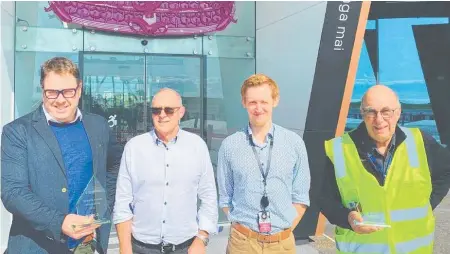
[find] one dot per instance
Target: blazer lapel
(41, 126)
(96, 145)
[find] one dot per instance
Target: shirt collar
(50, 118)
(158, 141)
(269, 134)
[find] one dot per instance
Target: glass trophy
(370, 219)
(93, 201)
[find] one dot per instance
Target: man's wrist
(204, 238)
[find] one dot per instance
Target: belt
(164, 247)
(285, 234)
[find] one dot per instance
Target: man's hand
(360, 229)
(72, 226)
(301, 209)
(197, 247)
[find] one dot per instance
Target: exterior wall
(288, 38)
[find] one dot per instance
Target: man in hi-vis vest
(382, 181)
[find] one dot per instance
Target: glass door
(184, 75)
(120, 88)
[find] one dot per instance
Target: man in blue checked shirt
(263, 176)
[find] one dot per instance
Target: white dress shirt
(158, 186)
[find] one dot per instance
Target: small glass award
(370, 219)
(93, 201)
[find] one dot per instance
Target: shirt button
(164, 221)
(64, 190)
(167, 183)
(167, 165)
(165, 203)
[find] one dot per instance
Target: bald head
(380, 94)
(167, 96)
(381, 111)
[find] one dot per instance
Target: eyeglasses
(168, 110)
(66, 93)
(372, 113)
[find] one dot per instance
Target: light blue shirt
(241, 184)
(158, 186)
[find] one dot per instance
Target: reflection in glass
(114, 89)
(398, 66)
(27, 79)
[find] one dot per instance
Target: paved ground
(325, 244)
(217, 245)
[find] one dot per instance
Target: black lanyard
(264, 174)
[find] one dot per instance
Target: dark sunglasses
(168, 110)
(66, 93)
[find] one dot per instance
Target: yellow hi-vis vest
(403, 202)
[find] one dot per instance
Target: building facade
(307, 47)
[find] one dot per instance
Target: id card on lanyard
(264, 223)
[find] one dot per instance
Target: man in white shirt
(162, 173)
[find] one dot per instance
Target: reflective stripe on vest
(398, 215)
(409, 246)
(374, 217)
(339, 163)
(409, 214)
(411, 148)
(362, 248)
(404, 247)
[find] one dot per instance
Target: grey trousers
(139, 249)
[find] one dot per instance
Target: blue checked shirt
(240, 181)
(378, 161)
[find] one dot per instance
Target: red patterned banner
(147, 18)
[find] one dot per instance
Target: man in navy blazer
(48, 157)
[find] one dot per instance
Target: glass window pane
(224, 112)
(114, 88)
(27, 89)
(401, 70)
(181, 74)
(33, 14)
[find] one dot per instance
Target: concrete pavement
(325, 244)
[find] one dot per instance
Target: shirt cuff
(121, 218)
(225, 203)
(207, 225)
(300, 199)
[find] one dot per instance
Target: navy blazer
(33, 181)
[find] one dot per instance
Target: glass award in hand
(370, 219)
(93, 201)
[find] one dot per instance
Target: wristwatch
(204, 239)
